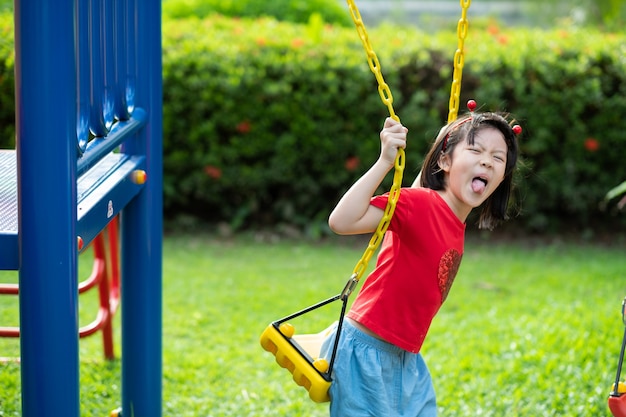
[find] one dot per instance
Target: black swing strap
(614, 392)
(343, 296)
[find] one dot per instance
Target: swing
(299, 354)
(617, 401)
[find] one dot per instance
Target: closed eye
(477, 150)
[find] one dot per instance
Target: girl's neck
(460, 209)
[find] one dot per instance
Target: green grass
(528, 330)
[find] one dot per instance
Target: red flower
(493, 29)
(213, 172)
(502, 39)
(592, 144)
(296, 43)
(352, 163)
(244, 127)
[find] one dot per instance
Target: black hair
(465, 128)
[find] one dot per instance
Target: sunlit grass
(528, 330)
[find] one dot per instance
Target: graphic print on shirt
(448, 267)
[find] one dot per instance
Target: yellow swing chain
(387, 99)
(394, 192)
(459, 62)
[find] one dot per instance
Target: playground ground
(529, 329)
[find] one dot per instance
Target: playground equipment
(299, 354)
(105, 275)
(617, 399)
(88, 95)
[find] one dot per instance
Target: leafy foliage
(286, 10)
(568, 89)
(281, 122)
(607, 14)
(266, 122)
(259, 116)
(7, 82)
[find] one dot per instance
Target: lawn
(529, 329)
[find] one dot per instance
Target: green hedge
(568, 87)
(296, 11)
(267, 123)
(260, 119)
(7, 82)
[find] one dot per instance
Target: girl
(378, 370)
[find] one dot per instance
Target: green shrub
(267, 122)
(260, 125)
(296, 11)
(7, 82)
(262, 120)
(568, 88)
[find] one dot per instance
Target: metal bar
(9, 332)
(98, 125)
(112, 193)
(141, 232)
(615, 391)
(107, 22)
(45, 68)
(121, 57)
(83, 71)
(308, 309)
(9, 289)
(100, 147)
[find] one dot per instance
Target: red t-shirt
(418, 260)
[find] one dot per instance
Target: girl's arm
(354, 214)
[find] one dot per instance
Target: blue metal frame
(81, 66)
(45, 87)
(142, 224)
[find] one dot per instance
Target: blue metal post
(101, 103)
(142, 234)
(46, 157)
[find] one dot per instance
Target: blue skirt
(373, 378)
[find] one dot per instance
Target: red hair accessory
(471, 106)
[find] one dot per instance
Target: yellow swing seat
(297, 353)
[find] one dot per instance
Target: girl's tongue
(478, 185)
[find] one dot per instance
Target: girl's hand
(392, 138)
(354, 214)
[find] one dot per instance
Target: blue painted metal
(8, 211)
(78, 62)
(104, 191)
(83, 73)
(108, 49)
(101, 108)
(125, 59)
(46, 173)
(141, 234)
(89, 224)
(121, 132)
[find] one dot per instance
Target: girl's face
(474, 172)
